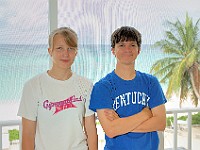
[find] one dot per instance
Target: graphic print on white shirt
(62, 104)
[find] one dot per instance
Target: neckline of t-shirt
(60, 81)
(126, 81)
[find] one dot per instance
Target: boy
(129, 103)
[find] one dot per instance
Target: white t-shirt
(58, 107)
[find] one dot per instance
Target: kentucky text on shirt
(130, 98)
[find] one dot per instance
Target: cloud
(20, 18)
(93, 20)
(101, 18)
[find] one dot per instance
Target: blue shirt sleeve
(157, 96)
(101, 97)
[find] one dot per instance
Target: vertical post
(20, 136)
(53, 18)
(189, 123)
(1, 146)
(161, 139)
(175, 131)
(53, 14)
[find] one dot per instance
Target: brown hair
(126, 33)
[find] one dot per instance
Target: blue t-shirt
(128, 97)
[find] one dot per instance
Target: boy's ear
(113, 51)
(139, 50)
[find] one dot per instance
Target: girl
(54, 104)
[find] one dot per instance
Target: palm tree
(181, 68)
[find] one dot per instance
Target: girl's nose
(66, 52)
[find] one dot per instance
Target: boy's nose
(128, 48)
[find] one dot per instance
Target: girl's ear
(50, 51)
(76, 52)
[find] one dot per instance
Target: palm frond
(172, 38)
(191, 58)
(163, 63)
(165, 78)
(169, 47)
(175, 79)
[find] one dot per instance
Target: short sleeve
(101, 97)
(28, 105)
(157, 96)
(88, 111)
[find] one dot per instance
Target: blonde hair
(70, 36)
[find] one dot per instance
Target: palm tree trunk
(195, 79)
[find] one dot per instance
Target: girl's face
(126, 52)
(62, 54)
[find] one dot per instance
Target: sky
(100, 18)
(26, 21)
(23, 21)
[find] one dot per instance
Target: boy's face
(126, 52)
(62, 54)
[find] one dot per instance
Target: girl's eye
(71, 49)
(59, 48)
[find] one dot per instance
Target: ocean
(19, 63)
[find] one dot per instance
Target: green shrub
(13, 135)
(184, 118)
(169, 121)
(196, 118)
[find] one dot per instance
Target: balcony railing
(173, 112)
(8, 123)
